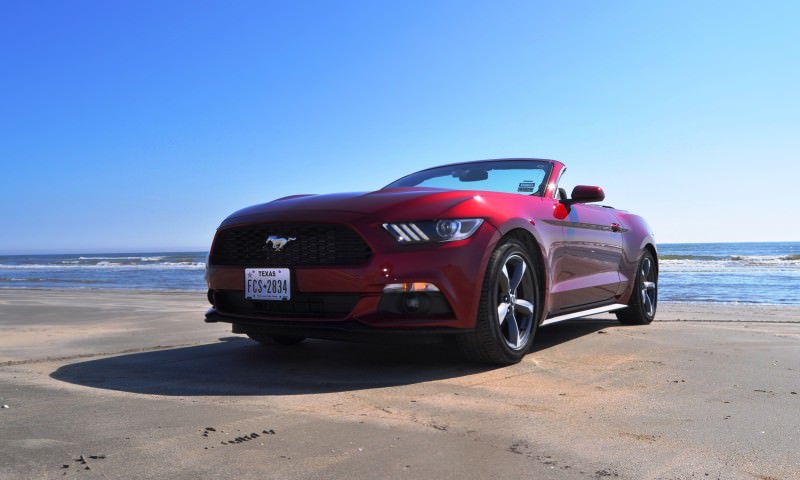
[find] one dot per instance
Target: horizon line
(112, 250)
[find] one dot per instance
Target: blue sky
(136, 125)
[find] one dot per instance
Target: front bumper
(347, 299)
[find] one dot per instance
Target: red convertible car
(483, 252)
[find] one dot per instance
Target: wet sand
(135, 385)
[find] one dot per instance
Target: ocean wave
(689, 257)
(50, 280)
(108, 265)
(139, 258)
(123, 260)
(732, 260)
(146, 271)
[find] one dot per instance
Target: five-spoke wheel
(514, 313)
(509, 308)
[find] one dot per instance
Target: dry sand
(135, 385)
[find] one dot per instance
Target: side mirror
(587, 194)
(580, 194)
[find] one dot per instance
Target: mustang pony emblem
(277, 242)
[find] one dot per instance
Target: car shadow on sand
(239, 366)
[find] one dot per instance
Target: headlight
(434, 231)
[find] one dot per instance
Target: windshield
(526, 177)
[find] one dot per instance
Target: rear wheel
(508, 313)
(284, 340)
(644, 299)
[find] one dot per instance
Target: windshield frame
(418, 177)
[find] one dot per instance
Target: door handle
(615, 227)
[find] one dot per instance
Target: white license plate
(267, 284)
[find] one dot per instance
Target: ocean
(767, 273)
(753, 273)
(162, 271)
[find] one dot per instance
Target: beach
(110, 384)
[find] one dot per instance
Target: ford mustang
(481, 253)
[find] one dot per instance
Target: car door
(588, 272)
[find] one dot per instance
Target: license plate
(267, 284)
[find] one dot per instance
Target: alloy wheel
(515, 308)
(648, 287)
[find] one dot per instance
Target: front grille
(301, 305)
(313, 245)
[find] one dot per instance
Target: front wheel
(509, 311)
(644, 299)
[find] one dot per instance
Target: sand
(139, 387)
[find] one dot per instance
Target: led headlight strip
(407, 232)
(433, 231)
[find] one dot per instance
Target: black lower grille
(301, 305)
(301, 245)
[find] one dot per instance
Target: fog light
(412, 303)
(410, 287)
(416, 303)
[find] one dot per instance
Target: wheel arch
(652, 249)
(647, 246)
(487, 343)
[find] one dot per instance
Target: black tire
(505, 341)
(644, 298)
(283, 340)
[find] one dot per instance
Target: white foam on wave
(733, 264)
(109, 265)
(142, 259)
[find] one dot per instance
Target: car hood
(384, 204)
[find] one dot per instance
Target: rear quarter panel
(636, 237)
